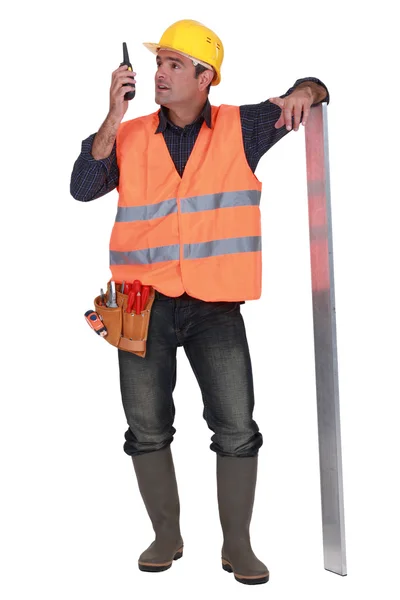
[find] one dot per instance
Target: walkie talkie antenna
(125, 51)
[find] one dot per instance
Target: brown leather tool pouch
(126, 331)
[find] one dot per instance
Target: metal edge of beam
(326, 362)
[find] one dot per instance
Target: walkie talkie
(128, 95)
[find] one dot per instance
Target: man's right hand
(119, 106)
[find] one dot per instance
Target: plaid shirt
(92, 178)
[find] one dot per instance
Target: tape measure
(95, 322)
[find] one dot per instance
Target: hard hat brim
(154, 48)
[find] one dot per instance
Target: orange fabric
(148, 176)
(224, 223)
(143, 234)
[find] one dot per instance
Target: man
(188, 224)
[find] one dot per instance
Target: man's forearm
(104, 139)
(318, 92)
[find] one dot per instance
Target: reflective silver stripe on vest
(221, 200)
(147, 256)
(127, 214)
(228, 246)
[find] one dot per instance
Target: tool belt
(125, 330)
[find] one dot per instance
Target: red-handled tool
(137, 288)
(131, 301)
(145, 296)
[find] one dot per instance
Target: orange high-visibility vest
(200, 233)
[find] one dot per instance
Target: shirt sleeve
(258, 124)
(91, 178)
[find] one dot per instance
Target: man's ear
(205, 78)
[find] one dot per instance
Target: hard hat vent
(209, 40)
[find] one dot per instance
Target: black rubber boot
(236, 483)
(155, 474)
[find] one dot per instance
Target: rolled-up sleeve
(315, 80)
(91, 178)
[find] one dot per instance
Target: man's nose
(160, 72)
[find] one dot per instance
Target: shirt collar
(164, 121)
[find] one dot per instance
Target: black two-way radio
(128, 95)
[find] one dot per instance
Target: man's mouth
(160, 86)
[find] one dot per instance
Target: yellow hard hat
(195, 41)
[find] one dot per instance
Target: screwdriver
(130, 302)
(136, 290)
(145, 296)
(128, 95)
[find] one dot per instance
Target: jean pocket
(227, 307)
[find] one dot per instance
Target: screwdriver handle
(145, 296)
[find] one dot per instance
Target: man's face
(175, 79)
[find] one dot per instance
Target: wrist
(316, 92)
(112, 121)
(305, 87)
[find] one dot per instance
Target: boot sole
(248, 580)
(158, 567)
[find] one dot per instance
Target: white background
(73, 523)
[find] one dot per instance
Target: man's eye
(175, 65)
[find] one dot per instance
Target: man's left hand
(297, 102)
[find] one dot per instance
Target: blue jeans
(214, 339)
